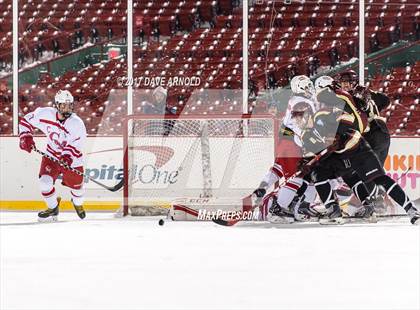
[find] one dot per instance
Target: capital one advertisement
(173, 170)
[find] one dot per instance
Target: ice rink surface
(133, 263)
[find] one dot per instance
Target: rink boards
(19, 172)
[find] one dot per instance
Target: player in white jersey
(277, 207)
(66, 135)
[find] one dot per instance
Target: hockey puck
(161, 222)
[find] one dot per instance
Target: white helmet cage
(302, 85)
(323, 81)
(63, 96)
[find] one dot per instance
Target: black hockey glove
(304, 167)
(261, 190)
(363, 94)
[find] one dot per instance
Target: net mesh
(214, 158)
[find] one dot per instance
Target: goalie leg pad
(286, 193)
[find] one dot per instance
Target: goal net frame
(128, 126)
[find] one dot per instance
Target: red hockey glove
(66, 159)
(26, 142)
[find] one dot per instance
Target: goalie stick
(62, 164)
(256, 201)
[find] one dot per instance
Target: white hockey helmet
(302, 85)
(323, 81)
(64, 102)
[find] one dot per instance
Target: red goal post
(220, 157)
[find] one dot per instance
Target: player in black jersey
(371, 103)
(349, 156)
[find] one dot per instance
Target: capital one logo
(153, 173)
(141, 171)
(162, 153)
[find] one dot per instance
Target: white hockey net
(219, 158)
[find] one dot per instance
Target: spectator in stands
(110, 33)
(329, 21)
(156, 33)
(351, 49)
(56, 47)
(21, 57)
(395, 33)
(347, 21)
(334, 58)
(252, 89)
(197, 21)
(312, 21)
(78, 38)
(311, 67)
(290, 72)
(295, 22)
(374, 43)
(124, 36)
(2, 64)
(38, 50)
(141, 36)
(94, 35)
(272, 83)
(212, 23)
(159, 107)
(158, 104)
(4, 96)
(35, 54)
(417, 27)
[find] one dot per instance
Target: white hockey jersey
(67, 137)
(288, 120)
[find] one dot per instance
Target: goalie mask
(302, 114)
(64, 103)
(348, 80)
(302, 85)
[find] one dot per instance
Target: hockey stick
(256, 201)
(64, 165)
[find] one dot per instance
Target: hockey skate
(79, 210)
(278, 215)
(50, 215)
(306, 213)
(332, 216)
(379, 201)
(414, 216)
(367, 211)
